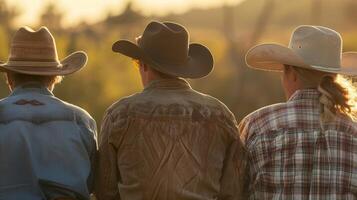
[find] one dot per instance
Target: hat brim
(199, 63)
(68, 65)
(273, 57)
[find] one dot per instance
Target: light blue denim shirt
(44, 138)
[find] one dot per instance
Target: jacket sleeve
(235, 176)
(107, 175)
(244, 127)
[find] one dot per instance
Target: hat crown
(317, 45)
(167, 42)
(30, 45)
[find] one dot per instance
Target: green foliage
(109, 76)
(4, 42)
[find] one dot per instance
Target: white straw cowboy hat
(311, 47)
(165, 47)
(34, 53)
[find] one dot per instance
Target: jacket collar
(305, 94)
(168, 84)
(32, 87)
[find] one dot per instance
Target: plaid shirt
(291, 158)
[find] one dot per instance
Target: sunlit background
(96, 10)
(228, 27)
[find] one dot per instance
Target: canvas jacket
(169, 142)
(44, 143)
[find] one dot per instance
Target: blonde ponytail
(338, 95)
(351, 89)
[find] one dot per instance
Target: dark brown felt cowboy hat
(34, 52)
(165, 47)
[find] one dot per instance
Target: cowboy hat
(34, 53)
(311, 47)
(165, 47)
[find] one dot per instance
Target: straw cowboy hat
(311, 47)
(165, 47)
(34, 52)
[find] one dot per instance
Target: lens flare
(351, 88)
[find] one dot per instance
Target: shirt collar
(168, 84)
(305, 94)
(31, 88)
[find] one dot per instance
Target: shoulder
(353, 126)
(263, 120)
(6, 100)
(266, 112)
(82, 116)
(218, 105)
(121, 107)
(77, 110)
(115, 117)
(219, 112)
(346, 124)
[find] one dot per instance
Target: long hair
(350, 94)
(338, 93)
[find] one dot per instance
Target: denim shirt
(44, 139)
(169, 142)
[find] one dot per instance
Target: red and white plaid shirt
(292, 158)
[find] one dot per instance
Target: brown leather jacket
(170, 142)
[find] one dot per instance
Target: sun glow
(91, 11)
(352, 94)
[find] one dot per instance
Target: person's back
(292, 155)
(169, 141)
(306, 147)
(43, 138)
(47, 146)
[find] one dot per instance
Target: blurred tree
(227, 31)
(81, 30)
(235, 54)
(72, 43)
(229, 21)
(3, 40)
(128, 20)
(237, 49)
(128, 16)
(7, 16)
(51, 17)
(262, 21)
(316, 12)
(351, 8)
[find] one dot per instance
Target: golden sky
(94, 10)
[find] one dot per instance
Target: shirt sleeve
(235, 176)
(88, 129)
(107, 175)
(246, 130)
(93, 156)
(243, 130)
